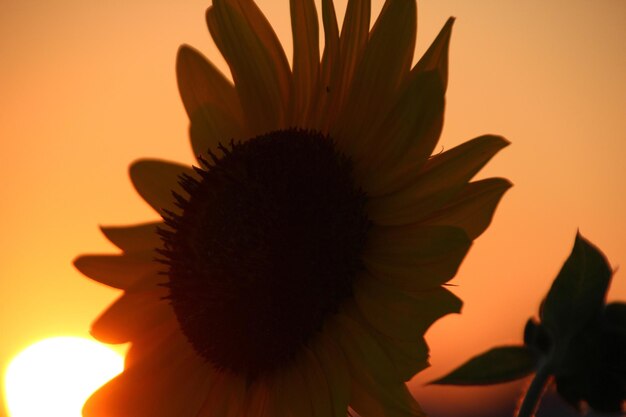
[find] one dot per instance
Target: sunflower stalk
(535, 391)
(579, 342)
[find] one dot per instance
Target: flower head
(300, 263)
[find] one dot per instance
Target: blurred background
(88, 86)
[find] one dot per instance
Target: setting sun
(55, 376)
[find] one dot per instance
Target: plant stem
(535, 391)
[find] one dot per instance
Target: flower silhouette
(298, 266)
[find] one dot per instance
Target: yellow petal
(330, 59)
(200, 83)
(306, 58)
(377, 390)
(171, 382)
(226, 397)
(211, 126)
(372, 398)
(131, 315)
(294, 400)
(118, 271)
(398, 144)
(135, 238)
(442, 177)
(210, 101)
(333, 364)
(151, 340)
(157, 180)
(399, 314)
(412, 128)
(473, 208)
(257, 63)
(436, 57)
(316, 381)
(384, 66)
(265, 33)
(408, 356)
(415, 258)
(354, 35)
(261, 398)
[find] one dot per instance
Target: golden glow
(54, 377)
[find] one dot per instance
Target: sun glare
(54, 377)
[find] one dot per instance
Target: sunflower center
(267, 246)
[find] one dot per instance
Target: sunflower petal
(442, 177)
(399, 314)
(412, 129)
(317, 385)
(149, 341)
(170, 382)
(261, 399)
(384, 66)
(352, 42)
(135, 238)
(436, 57)
(377, 390)
(211, 126)
(374, 399)
(264, 31)
(331, 41)
(118, 271)
(295, 399)
(131, 315)
(157, 180)
(306, 57)
(256, 59)
(330, 57)
(225, 397)
(473, 208)
(408, 356)
(334, 366)
(200, 82)
(422, 102)
(415, 258)
(210, 100)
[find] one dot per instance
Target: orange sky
(88, 86)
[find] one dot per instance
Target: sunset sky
(88, 86)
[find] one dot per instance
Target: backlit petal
(442, 177)
(135, 238)
(170, 382)
(118, 271)
(306, 58)
(256, 59)
(384, 66)
(330, 57)
(397, 145)
(210, 100)
(399, 314)
(436, 57)
(131, 315)
(200, 83)
(225, 397)
(352, 42)
(333, 363)
(376, 390)
(416, 258)
(157, 180)
(473, 208)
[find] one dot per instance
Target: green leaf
(578, 293)
(501, 364)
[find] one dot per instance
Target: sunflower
(297, 267)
